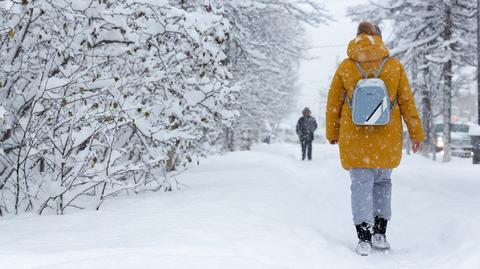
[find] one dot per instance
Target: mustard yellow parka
(371, 146)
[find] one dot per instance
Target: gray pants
(371, 194)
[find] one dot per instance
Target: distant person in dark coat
(306, 126)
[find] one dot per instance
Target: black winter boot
(364, 233)
(379, 240)
(380, 226)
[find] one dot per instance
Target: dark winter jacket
(305, 127)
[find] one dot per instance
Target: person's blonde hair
(367, 28)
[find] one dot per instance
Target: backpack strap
(381, 67)
(393, 104)
(345, 97)
(365, 76)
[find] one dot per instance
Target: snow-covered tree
(265, 48)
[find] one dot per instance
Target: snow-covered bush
(103, 97)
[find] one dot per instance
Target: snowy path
(260, 209)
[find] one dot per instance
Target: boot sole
(378, 248)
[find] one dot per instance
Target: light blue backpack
(370, 102)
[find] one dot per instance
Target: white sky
(329, 44)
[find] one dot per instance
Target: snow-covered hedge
(102, 97)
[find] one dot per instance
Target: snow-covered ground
(261, 209)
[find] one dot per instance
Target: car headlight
(440, 143)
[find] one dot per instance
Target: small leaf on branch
(11, 33)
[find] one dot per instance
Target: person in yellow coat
(370, 153)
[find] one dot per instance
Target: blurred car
(461, 142)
